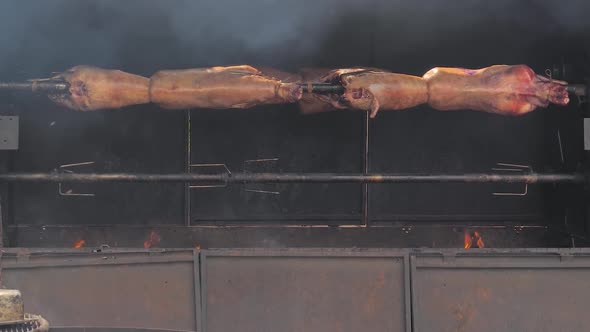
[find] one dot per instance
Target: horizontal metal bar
(227, 178)
(34, 86)
(304, 252)
(57, 86)
(321, 88)
(577, 89)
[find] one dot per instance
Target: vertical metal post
(1, 243)
(372, 35)
(365, 203)
(187, 169)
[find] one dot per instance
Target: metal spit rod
(321, 88)
(226, 178)
(579, 90)
(35, 86)
(58, 86)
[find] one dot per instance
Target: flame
(152, 240)
(469, 239)
(79, 244)
(198, 247)
(480, 243)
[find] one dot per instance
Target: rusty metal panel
(305, 290)
(501, 290)
(133, 289)
(106, 329)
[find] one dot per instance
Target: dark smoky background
(145, 35)
(38, 38)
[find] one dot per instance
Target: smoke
(146, 35)
(143, 36)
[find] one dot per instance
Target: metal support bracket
(67, 169)
(251, 162)
(9, 132)
(211, 185)
(513, 168)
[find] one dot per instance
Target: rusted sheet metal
(107, 329)
(139, 289)
(518, 290)
(305, 290)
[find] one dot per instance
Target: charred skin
(219, 88)
(501, 89)
(94, 88)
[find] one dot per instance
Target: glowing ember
(152, 240)
(79, 244)
(471, 239)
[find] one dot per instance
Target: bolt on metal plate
(9, 132)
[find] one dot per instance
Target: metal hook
(513, 168)
(549, 74)
(245, 164)
(254, 161)
(39, 79)
(560, 146)
(262, 191)
(46, 79)
(66, 169)
(259, 161)
(212, 185)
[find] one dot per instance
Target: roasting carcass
(219, 87)
(283, 76)
(94, 88)
(501, 89)
(373, 89)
